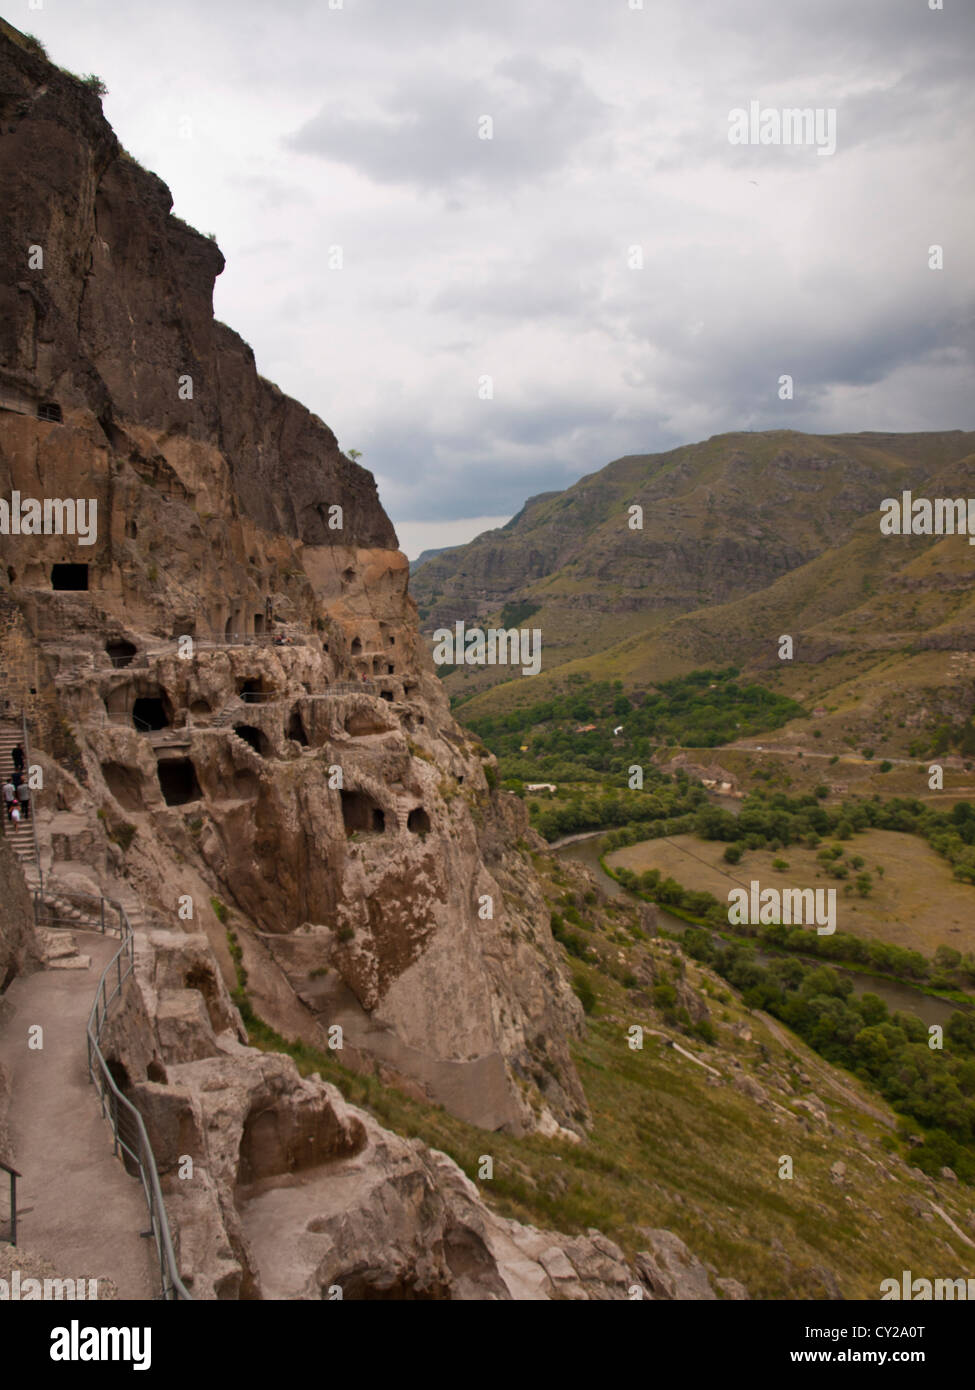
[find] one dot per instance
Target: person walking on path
(23, 796)
(9, 795)
(18, 756)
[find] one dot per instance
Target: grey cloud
(427, 133)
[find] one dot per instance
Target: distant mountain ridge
(744, 536)
(424, 556)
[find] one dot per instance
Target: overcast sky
(291, 127)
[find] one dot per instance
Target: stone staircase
(19, 837)
(228, 714)
(132, 904)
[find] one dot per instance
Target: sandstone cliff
(293, 772)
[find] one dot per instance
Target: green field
(916, 903)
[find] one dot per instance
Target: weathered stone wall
(19, 954)
(18, 944)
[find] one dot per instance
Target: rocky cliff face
(237, 724)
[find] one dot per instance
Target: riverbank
(930, 1005)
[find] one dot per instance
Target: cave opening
(399, 1289)
(257, 738)
(360, 812)
(252, 689)
(178, 781)
(418, 821)
(149, 714)
(119, 1074)
(69, 578)
(121, 653)
(296, 728)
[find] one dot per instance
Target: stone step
(70, 963)
(57, 945)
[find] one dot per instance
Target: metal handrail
(128, 1127)
(14, 1175)
(33, 808)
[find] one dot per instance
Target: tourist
(9, 795)
(18, 757)
(23, 796)
(15, 813)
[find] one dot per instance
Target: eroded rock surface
(279, 1189)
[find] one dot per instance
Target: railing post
(33, 808)
(103, 916)
(13, 1208)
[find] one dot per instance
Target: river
(894, 993)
